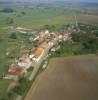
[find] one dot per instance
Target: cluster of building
(50, 41)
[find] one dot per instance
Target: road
(36, 70)
(38, 64)
(32, 76)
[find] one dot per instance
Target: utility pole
(76, 22)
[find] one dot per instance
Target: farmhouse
(24, 61)
(20, 67)
(44, 44)
(15, 70)
(56, 34)
(35, 37)
(23, 32)
(43, 33)
(33, 64)
(66, 36)
(37, 54)
(55, 47)
(39, 35)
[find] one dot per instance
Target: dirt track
(70, 78)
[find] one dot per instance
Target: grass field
(36, 17)
(13, 46)
(88, 19)
(3, 87)
(69, 78)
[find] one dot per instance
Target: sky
(55, 0)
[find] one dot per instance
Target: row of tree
(88, 42)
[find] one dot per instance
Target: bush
(7, 10)
(13, 36)
(23, 13)
(23, 87)
(9, 20)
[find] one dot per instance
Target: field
(3, 87)
(69, 78)
(15, 47)
(36, 17)
(88, 19)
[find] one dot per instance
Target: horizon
(89, 1)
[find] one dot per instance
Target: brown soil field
(89, 19)
(67, 78)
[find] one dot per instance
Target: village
(48, 50)
(49, 42)
(45, 44)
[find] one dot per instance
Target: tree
(7, 10)
(9, 20)
(10, 95)
(13, 36)
(87, 41)
(46, 26)
(1, 39)
(23, 86)
(23, 13)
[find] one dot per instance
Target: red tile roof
(44, 44)
(38, 51)
(15, 70)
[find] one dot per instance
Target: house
(15, 70)
(44, 44)
(46, 32)
(33, 64)
(37, 54)
(55, 48)
(66, 36)
(24, 61)
(35, 37)
(39, 35)
(50, 41)
(56, 34)
(43, 33)
(21, 66)
(21, 28)
(23, 32)
(60, 36)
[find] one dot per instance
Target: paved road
(19, 98)
(38, 64)
(37, 68)
(41, 60)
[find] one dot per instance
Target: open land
(68, 78)
(36, 17)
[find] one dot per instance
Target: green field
(13, 46)
(36, 17)
(3, 87)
